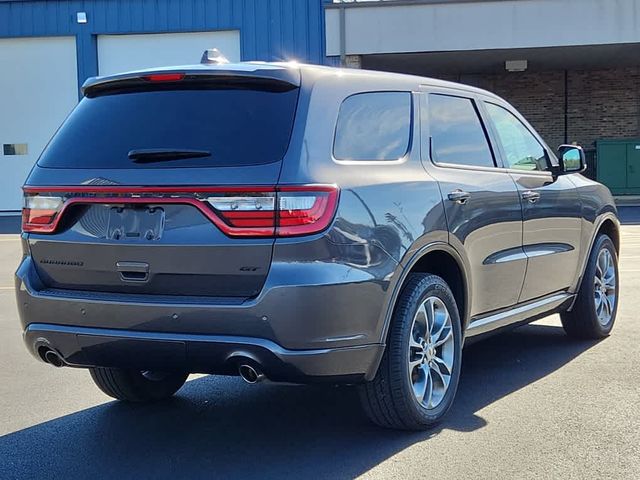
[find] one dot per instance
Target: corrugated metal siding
(269, 29)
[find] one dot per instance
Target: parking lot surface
(532, 404)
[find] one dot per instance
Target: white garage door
(38, 88)
(121, 53)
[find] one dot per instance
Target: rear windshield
(235, 126)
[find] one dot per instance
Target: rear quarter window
(373, 126)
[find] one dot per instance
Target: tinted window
(521, 148)
(457, 135)
(237, 126)
(373, 126)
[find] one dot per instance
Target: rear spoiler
(246, 75)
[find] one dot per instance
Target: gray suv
(304, 224)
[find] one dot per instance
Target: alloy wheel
(604, 284)
(431, 352)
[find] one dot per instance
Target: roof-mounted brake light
(164, 77)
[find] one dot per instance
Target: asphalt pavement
(532, 403)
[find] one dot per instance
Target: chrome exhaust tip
(53, 358)
(250, 374)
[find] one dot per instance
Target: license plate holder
(135, 224)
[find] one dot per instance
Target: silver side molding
(516, 314)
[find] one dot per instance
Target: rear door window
(457, 134)
(237, 126)
(373, 126)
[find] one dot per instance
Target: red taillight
(284, 211)
(40, 213)
(164, 77)
(303, 211)
(245, 213)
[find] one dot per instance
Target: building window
(373, 126)
(457, 134)
(14, 149)
(521, 149)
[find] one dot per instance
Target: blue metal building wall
(269, 29)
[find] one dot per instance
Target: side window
(521, 148)
(373, 126)
(457, 134)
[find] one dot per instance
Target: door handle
(459, 196)
(530, 196)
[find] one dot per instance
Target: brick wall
(601, 103)
(538, 96)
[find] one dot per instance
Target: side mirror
(572, 159)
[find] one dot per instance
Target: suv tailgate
(132, 226)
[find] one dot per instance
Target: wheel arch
(609, 225)
(439, 259)
(612, 229)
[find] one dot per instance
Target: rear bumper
(87, 347)
(319, 330)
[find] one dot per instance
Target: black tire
(137, 386)
(582, 321)
(389, 400)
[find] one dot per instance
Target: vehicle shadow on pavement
(220, 427)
